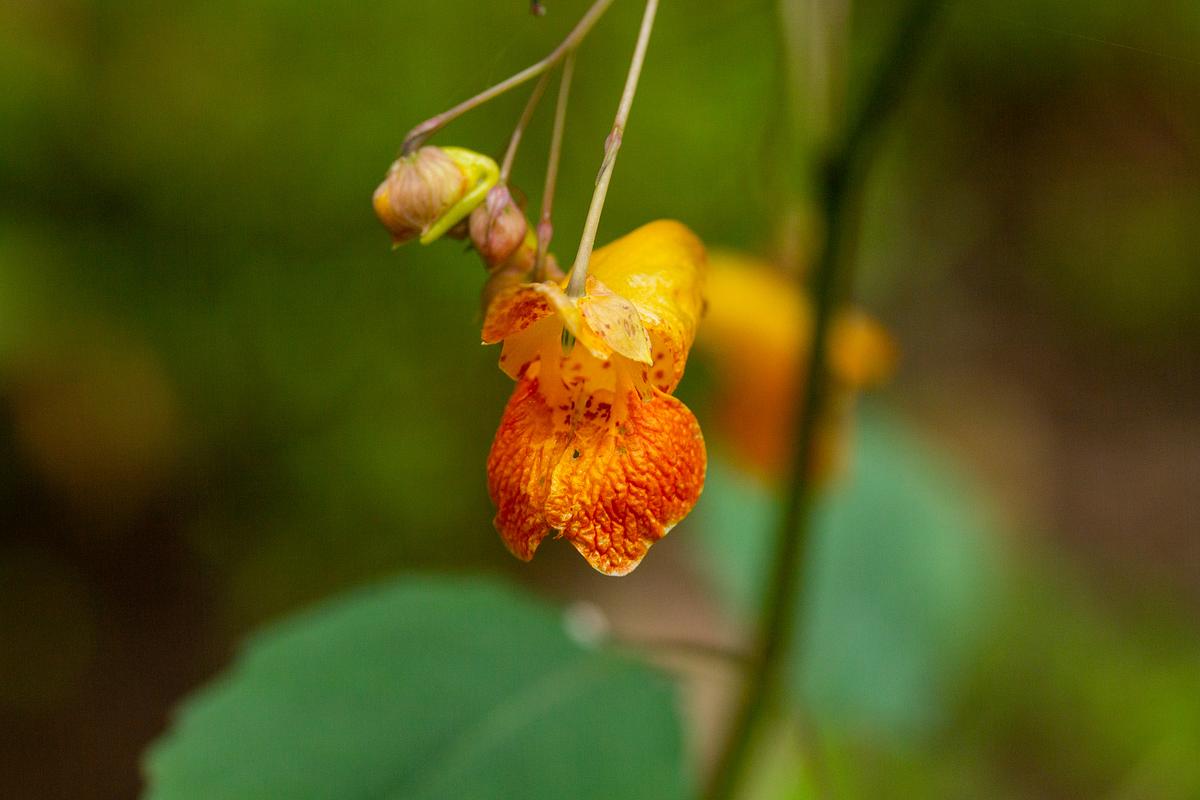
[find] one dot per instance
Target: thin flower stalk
(545, 228)
(418, 135)
(514, 142)
(612, 145)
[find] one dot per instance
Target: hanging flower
(757, 330)
(592, 444)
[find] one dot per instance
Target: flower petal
(621, 486)
(513, 310)
(519, 308)
(660, 268)
(514, 317)
(530, 441)
(616, 321)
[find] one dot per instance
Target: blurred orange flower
(592, 444)
(757, 330)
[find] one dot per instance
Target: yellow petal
(758, 332)
(756, 312)
(660, 268)
(616, 321)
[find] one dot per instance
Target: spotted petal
(660, 268)
(622, 488)
(611, 481)
(525, 451)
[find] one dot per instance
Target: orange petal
(527, 446)
(618, 488)
(513, 310)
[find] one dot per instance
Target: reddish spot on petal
(625, 495)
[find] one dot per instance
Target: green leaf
(899, 581)
(426, 688)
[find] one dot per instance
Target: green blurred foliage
(937, 662)
(1094, 695)
(1061, 140)
(900, 583)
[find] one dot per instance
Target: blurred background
(223, 397)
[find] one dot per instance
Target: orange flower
(758, 327)
(592, 444)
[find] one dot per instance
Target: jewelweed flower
(592, 444)
(757, 331)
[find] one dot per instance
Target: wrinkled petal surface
(524, 453)
(612, 483)
(630, 484)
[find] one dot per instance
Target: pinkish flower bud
(418, 190)
(498, 227)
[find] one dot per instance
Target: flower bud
(418, 190)
(498, 227)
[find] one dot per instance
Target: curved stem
(612, 144)
(545, 228)
(780, 609)
(514, 142)
(417, 136)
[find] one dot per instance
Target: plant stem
(545, 228)
(514, 142)
(612, 144)
(843, 170)
(418, 135)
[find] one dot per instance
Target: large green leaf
(899, 577)
(427, 688)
